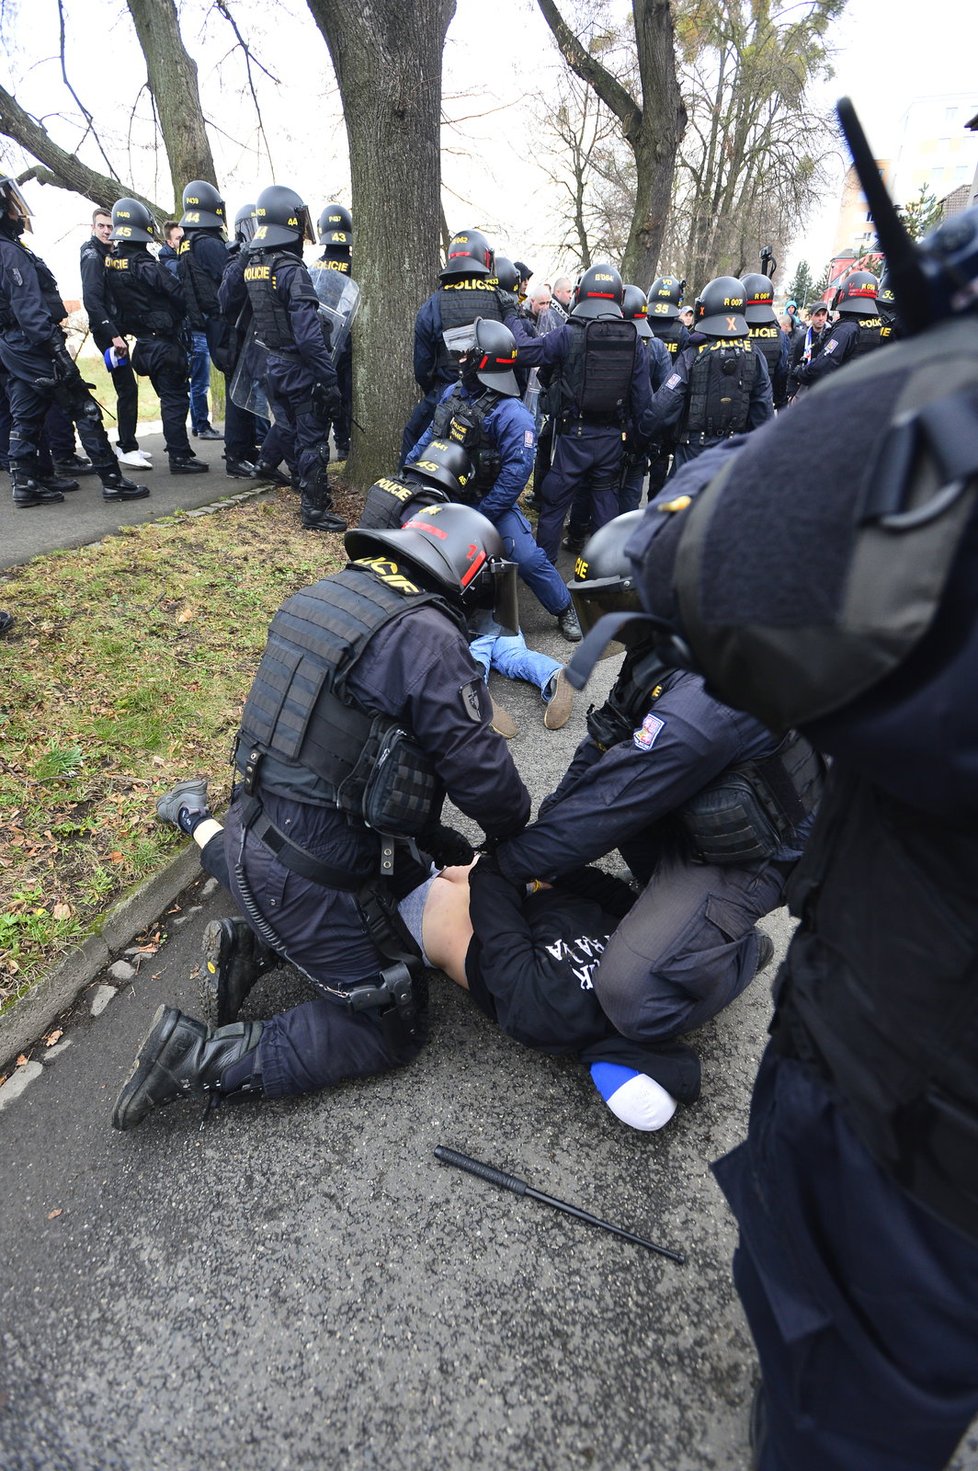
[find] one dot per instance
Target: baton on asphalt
(520, 1187)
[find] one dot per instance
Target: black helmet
(598, 293)
(335, 225)
(468, 255)
(456, 550)
(445, 464)
(10, 192)
(604, 581)
(492, 357)
(884, 292)
(203, 207)
(666, 296)
(760, 299)
(856, 297)
(282, 218)
(506, 274)
(132, 221)
(635, 308)
(719, 311)
(244, 224)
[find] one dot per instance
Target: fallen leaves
(53, 1037)
(53, 1215)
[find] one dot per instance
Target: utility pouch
(392, 788)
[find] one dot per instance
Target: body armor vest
(462, 421)
(721, 378)
(140, 305)
(389, 502)
(596, 375)
(461, 302)
(199, 288)
(340, 261)
(880, 989)
(48, 288)
(670, 332)
(767, 339)
(869, 335)
(299, 713)
(270, 314)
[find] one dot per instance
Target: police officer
(443, 473)
(467, 291)
(107, 335)
(597, 387)
(336, 237)
(665, 303)
(892, 328)
(856, 332)
(639, 455)
(707, 807)
(483, 413)
(857, 1262)
(40, 370)
(300, 379)
(720, 385)
(201, 261)
(148, 303)
(766, 334)
(369, 663)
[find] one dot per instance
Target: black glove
(65, 368)
(508, 301)
(326, 400)
(446, 846)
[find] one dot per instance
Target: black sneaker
(269, 472)
(188, 465)
(568, 624)
(241, 469)
(74, 465)
(208, 433)
(234, 958)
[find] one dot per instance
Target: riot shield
(248, 384)
(339, 298)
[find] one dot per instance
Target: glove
(65, 368)
(446, 846)
(326, 400)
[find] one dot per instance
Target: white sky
(886, 56)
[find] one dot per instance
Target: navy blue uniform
(637, 453)
(104, 328)
(846, 340)
(160, 352)
(339, 258)
(688, 947)
(210, 254)
(672, 398)
(510, 432)
(276, 441)
(433, 372)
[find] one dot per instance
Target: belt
(297, 859)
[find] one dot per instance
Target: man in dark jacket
(106, 333)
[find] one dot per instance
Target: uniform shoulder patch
(472, 697)
(830, 346)
(648, 732)
(673, 380)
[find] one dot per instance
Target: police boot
(51, 480)
(188, 465)
(115, 486)
(184, 1058)
(234, 958)
(29, 489)
(315, 508)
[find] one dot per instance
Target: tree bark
(388, 61)
(173, 83)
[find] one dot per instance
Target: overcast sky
(886, 56)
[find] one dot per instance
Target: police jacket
(200, 267)
(558, 350)
(285, 310)
(773, 343)
(610, 796)
(144, 296)
(30, 305)
(510, 437)
(529, 967)
(848, 339)
(673, 334)
(101, 323)
(693, 395)
(454, 304)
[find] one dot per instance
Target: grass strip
(125, 671)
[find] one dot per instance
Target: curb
(22, 1024)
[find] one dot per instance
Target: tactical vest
(301, 729)
(141, 306)
(338, 262)
(721, 378)
(271, 324)
(767, 339)
(462, 421)
(869, 335)
(49, 292)
(199, 288)
(596, 375)
(461, 302)
(670, 332)
(389, 502)
(880, 989)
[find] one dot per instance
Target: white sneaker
(134, 459)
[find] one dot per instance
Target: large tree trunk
(388, 60)
(173, 82)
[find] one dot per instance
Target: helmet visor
(592, 600)
(13, 199)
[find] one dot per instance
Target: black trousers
(164, 362)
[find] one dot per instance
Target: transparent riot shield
(248, 383)
(339, 298)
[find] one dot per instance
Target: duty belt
(290, 855)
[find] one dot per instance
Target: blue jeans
(509, 655)
(200, 381)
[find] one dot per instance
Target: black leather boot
(115, 486)
(184, 1058)
(188, 465)
(234, 958)
(29, 489)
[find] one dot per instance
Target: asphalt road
(300, 1285)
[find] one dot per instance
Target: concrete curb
(22, 1024)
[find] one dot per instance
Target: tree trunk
(173, 83)
(388, 61)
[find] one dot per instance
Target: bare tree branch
(81, 106)
(221, 7)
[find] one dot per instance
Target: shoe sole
(502, 722)
(558, 710)
(146, 1059)
(219, 946)
(173, 796)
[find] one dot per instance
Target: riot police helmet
(666, 296)
(455, 550)
(492, 357)
(760, 300)
(506, 274)
(884, 292)
(14, 204)
(856, 297)
(604, 581)
(282, 218)
(444, 464)
(203, 207)
(598, 293)
(469, 254)
(335, 225)
(719, 310)
(635, 308)
(244, 224)
(132, 222)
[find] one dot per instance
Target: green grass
(93, 370)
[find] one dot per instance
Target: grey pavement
(300, 1285)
